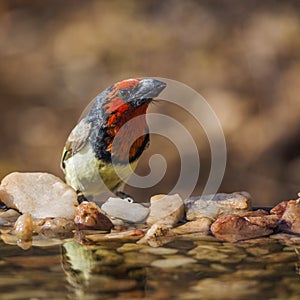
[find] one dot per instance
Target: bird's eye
(124, 93)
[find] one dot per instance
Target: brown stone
(237, 227)
(289, 214)
(89, 216)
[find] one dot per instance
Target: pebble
(225, 289)
(289, 213)
(237, 227)
(125, 210)
(137, 260)
(128, 247)
(40, 194)
(89, 216)
(129, 235)
(281, 257)
(213, 206)
(159, 251)
(54, 227)
(209, 253)
(158, 235)
(218, 254)
(24, 227)
(108, 257)
(253, 274)
(173, 262)
(165, 209)
(9, 217)
(201, 225)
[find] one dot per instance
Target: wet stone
(137, 260)
(24, 227)
(102, 283)
(220, 268)
(129, 235)
(253, 274)
(220, 288)
(173, 262)
(210, 253)
(280, 257)
(128, 247)
(257, 251)
(198, 237)
(54, 227)
(217, 254)
(89, 216)
(159, 251)
(108, 257)
(9, 217)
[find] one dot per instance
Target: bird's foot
(3, 206)
(81, 197)
(124, 196)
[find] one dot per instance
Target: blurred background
(243, 57)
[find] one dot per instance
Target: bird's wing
(76, 140)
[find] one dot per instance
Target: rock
(89, 216)
(158, 235)
(23, 228)
(237, 227)
(129, 235)
(159, 251)
(54, 227)
(173, 262)
(129, 247)
(289, 214)
(213, 206)
(165, 209)
(215, 253)
(201, 225)
(135, 260)
(125, 210)
(40, 194)
(224, 288)
(108, 258)
(279, 257)
(9, 217)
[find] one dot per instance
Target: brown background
(242, 56)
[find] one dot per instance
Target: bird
(92, 153)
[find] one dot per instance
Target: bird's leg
(124, 196)
(81, 197)
(3, 206)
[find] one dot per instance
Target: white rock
(165, 209)
(213, 206)
(125, 210)
(40, 194)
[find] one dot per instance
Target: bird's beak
(147, 89)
